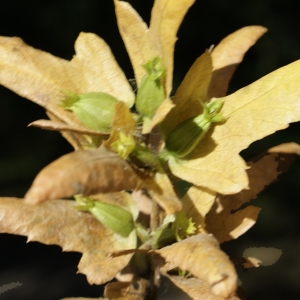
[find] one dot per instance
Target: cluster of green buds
(114, 217)
(175, 227)
(151, 91)
(137, 153)
(183, 139)
(95, 110)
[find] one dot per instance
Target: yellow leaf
(166, 17)
(84, 172)
(252, 113)
(196, 288)
(135, 34)
(192, 89)
(196, 203)
(201, 255)
(57, 222)
(228, 54)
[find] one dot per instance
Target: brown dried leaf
(161, 190)
(196, 288)
(201, 255)
(60, 126)
(226, 225)
(227, 56)
(286, 148)
(127, 290)
(82, 172)
(57, 222)
(192, 89)
(196, 203)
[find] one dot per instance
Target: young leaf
(215, 268)
(250, 115)
(57, 222)
(84, 172)
(228, 54)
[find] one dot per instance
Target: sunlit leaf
(251, 113)
(228, 54)
(58, 222)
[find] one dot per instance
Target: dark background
(47, 273)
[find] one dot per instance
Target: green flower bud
(94, 110)
(183, 139)
(111, 216)
(151, 92)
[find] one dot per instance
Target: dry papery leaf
(196, 288)
(226, 220)
(58, 222)
(227, 55)
(137, 290)
(201, 255)
(43, 78)
(251, 113)
(84, 172)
